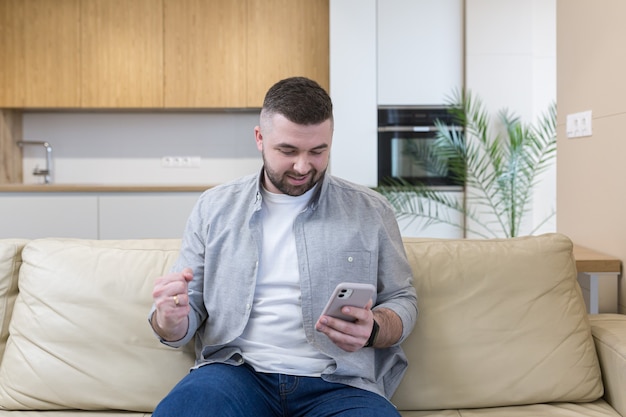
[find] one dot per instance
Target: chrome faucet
(45, 173)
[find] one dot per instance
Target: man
(259, 259)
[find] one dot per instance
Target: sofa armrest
(609, 335)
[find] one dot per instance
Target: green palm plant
(499, 164)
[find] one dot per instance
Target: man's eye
(287, 151)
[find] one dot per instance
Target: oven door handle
(407, 128)
(414, 128)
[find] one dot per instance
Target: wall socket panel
(578, 124)
(180, 161)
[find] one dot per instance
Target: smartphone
(349, 294)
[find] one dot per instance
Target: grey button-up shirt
(347, 233)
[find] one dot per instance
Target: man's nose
(301, 164)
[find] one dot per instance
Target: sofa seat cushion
(610, 339)
(79, 336)
(597, 408)
(502, 322)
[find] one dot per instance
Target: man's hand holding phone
(347, 319)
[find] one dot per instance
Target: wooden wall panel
(10, 153)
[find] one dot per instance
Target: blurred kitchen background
(368, 53)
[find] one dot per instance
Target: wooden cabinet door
(39, 53)
(286, 38)
(52, 76)
(12, 57)
(205, 53)
(157, 53)
(122, 53)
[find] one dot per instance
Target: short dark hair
(299, 99)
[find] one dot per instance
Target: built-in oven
(406, 135)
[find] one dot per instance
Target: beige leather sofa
(502, 331)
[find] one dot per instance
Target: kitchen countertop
(99, 188)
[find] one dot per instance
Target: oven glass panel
(410, 159)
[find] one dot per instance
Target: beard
(281, 180)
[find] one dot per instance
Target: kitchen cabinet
(205, 53)
(286, 38)
(420, 51)
(12, 53)
(146, 215)
(95, 215)
(77, 53)
(38, 44)
(220, 53)
(393, 52)
(28, 215)
(420, 227)
(121, 53)
(157, 53)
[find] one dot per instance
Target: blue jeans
(220, 390)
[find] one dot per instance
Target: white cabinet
(36, 215)
(419, 227)
(387, 52)
(420, 51)
(143, 216)
(353, 89)
(95, 215)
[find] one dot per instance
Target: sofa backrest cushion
(501, 322)
(79, 335)
(10, 262)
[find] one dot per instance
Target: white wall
(591, 169)
(127, 147)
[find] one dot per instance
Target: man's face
(295, 156)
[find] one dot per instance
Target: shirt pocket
(352, 266)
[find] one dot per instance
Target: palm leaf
(499, 164)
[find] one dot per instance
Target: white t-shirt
(274, 340)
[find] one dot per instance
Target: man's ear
(258, 137)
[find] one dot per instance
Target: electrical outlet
(180, 161)
(578, 124)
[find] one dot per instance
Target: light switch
(578, 124)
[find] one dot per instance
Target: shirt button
(247, 306)
(350, 259)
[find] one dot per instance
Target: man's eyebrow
(289, 146)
